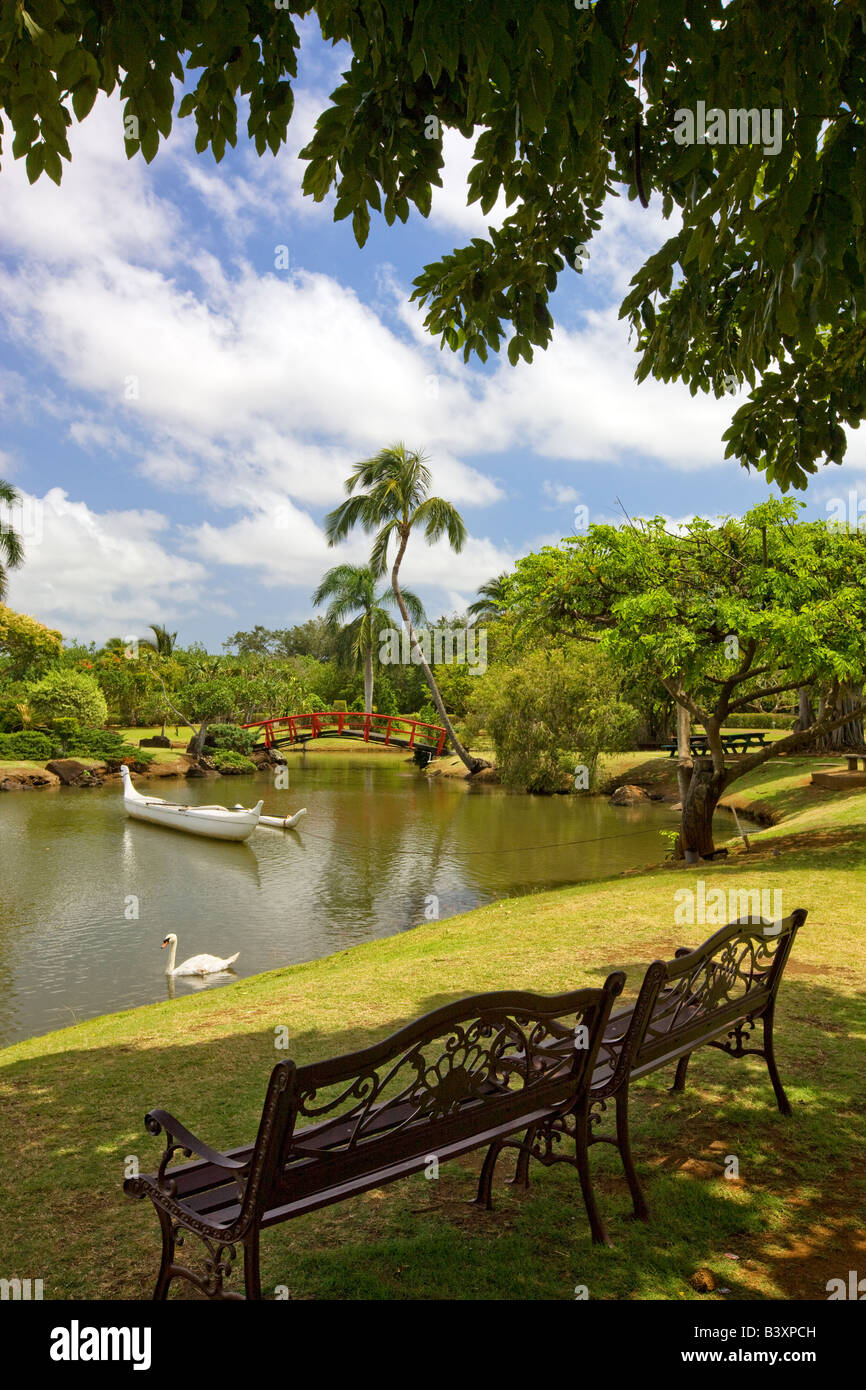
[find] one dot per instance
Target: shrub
(13, 707)
(27, 746)
(64, 730)
(65, 694)
(551, 708)
(384, 697)
(227, 761)
(760, 721)
(230, 737)
(107, 746)
(312, 704)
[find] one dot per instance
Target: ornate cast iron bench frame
(711, 996)
(451, 1082)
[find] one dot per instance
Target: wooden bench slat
(327, 1196)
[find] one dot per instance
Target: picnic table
(731, 743)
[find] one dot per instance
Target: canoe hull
(211, 822)
(186, 818)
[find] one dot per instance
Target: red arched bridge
(425, 741)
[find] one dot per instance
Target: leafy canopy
(764, 283)
(26, 642)
(71, 695)
(722, 614)
(548, 708)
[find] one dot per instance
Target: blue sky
(180, 413)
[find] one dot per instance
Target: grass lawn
(73, 1101)
(163, 755)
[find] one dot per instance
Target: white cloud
(100, 575)
(560, 493)
(106, 209)
(286, 548)
(449, 208)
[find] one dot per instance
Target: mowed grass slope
(72, 1102)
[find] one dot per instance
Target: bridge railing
(324, 722)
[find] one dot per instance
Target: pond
(87, 895)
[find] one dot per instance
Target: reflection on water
(87, 896)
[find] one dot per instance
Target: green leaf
(52, 164)
(35, 162)
(149, 141)
(83, 97)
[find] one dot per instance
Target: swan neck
(172, 952)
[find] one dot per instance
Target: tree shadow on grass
(71, 1121)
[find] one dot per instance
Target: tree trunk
(368, 680)
(805, 710)
(847, 736)
(472, 764)
(684, 773)
(196, 746)
(705, 788)
(850, 735)
(684, 752)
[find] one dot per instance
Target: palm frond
(440, 518)
(345, 518)
(379, 553)
(414, 606)
(11, 546)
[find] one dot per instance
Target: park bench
(451, 1082)
(731, 743)
(712, 996)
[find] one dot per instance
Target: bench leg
(581, 1145)
(166, 1270)
(769, 1054)
(680, 1078)
(252, 1275)
(639, 1203)
(483, 1197)
(524, 1154)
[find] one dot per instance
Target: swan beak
(165, 943)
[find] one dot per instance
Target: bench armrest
(178, 1137)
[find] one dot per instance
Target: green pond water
(87, 895)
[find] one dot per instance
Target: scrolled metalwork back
(741, 964)
(430, 1078)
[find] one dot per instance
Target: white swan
(196, 965)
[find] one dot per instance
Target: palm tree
(395, 499)
(11, 547)
(492, 597)
(163, 645)
(352, 589)
(164, 641)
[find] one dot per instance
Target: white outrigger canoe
(214, 822)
